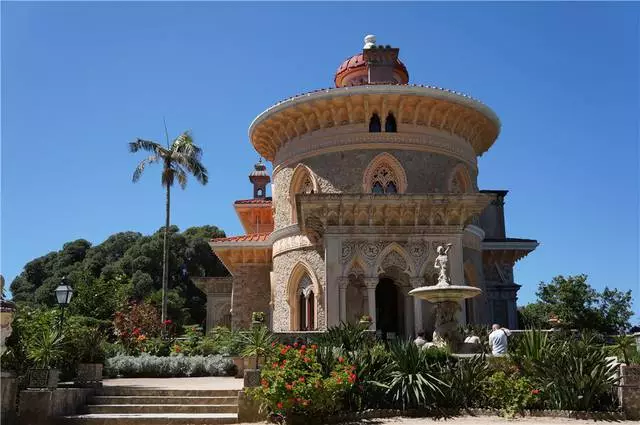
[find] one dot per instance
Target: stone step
(163, 392)
(161, 408)
(152, 419)
(148, 399)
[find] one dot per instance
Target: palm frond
(181, 175)
(145, 145)
(192, 165)
(141, 166)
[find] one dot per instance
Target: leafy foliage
(46, 348)
(127, 265)
(577, 305)
(576, 375)
(347, 336)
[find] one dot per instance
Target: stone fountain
(446, 298)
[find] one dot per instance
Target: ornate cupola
(260, 179)
(377, 64)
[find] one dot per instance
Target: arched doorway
(388, 303)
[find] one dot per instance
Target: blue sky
(80, 80)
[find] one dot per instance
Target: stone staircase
(149, 406)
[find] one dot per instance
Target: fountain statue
(446, 298)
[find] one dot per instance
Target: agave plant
(466, 380)
(46, 349)
(413, 381)
(624, 346)
(577, 376)
(373, 367)
(347, 336)
(257, 342)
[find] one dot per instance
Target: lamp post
(63, 296)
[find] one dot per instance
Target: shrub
(293, 384)
(146, 366)
(510, 393)
(135, 324)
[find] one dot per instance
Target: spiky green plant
(257, 342)
(46, 349)
(413, 381)
(347, 336)
(577, 376)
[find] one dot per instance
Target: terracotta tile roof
(263, 201)
(252, 237)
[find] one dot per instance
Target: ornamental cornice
(428, 140)
(336, 213)
(214, 285)
(412, 106)
(290, 243)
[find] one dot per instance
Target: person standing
(498, 340)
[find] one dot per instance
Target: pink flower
(279, 405)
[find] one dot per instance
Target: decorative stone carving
(442, 265)
(446, 331)
(290, 243)
(393, 259)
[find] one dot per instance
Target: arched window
(301, 182)
(259, 192)
(384, 180)
(390, 124)
(374, 124)
(384, 174)
(306, 304)
(460, 182)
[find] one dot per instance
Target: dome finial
(369, 41)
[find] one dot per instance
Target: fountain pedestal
(447, 302)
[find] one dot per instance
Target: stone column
(343, 283)
(333, 271)
(418, 325)
(371, 283)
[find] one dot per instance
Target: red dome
(354, 72)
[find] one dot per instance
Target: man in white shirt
(498, 340)
(420, 341)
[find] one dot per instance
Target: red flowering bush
(292, 383)
(135, 325)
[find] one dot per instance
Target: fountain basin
(442, 293)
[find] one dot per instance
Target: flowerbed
(293, 384)
(348, 372)
(146, 366)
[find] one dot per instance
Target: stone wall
(251, 293)
(41, 407)
(343, 172)
(629, 390)
(283, 266)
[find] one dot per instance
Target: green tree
(179, 158)
(578, 305)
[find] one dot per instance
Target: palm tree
(179, 158)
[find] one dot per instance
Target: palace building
(369, 177)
